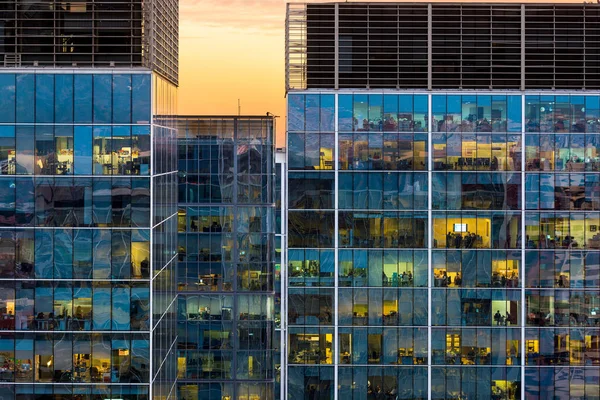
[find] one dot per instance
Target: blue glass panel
(102, 162)
(44, 150)
(453, 104)
(7, 131)
(44, 98)
(345, 113)
(140, 99)
(121, 99)
(83, 98)
(140, 202)
(102, 203)
(296, 150)
(25, 150)
(327, 112)
(295, 112)
(7, 201)
(361, 112)
(375, 112)
(592, 102)
(312, 112)
(25, 201)
(63, 254)
(63, 89)
(102, 253)
(139, 308)
(405, 104)
(390, 112)
(420, 113)
(82, 253)
(25, 98)
(8, 97)
(101, 306)
(120, 309)
(141, 147)
(83, 150)
(44, 253)
(438, 105)
(102, 98)
(514, 114)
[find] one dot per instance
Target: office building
(226, 242)
(88, 199)
(443, 215)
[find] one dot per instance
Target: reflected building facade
(88, 188)
(442, 214)
(226, 242)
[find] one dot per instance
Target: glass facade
(226, 241)
(443, 245)
(84, 249)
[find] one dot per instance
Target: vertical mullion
(336, 349)
(430, 236)
(523, 247)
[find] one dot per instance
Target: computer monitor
(460, 227)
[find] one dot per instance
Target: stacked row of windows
(394, 191)
(74, 306)
(476, 307)
(249, 390)
(208, 251)
(550, 191)
(451, 113)
(358, 151)
(563, 269)
(562, 382)
(211, 157)
(496, 230)
(476, 113)
(561, 307)
(407, 346)
(75, 98)
(488, 383)
(562, 114)
(476, 230)
(358, 382)
(447, 383)
(75, 254)
(377, 113)
(476, 191)
(219, 188)
(476, 151)
(74, 358)
(224, 128)
(213, 344)
(571, 152)
(78, 391)
(78, 150)
(73, 202)
(212, 328)
(209, 175)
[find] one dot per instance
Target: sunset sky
(230, 50)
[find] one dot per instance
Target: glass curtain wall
(442, 245)
(226, 244)
(75, 235)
